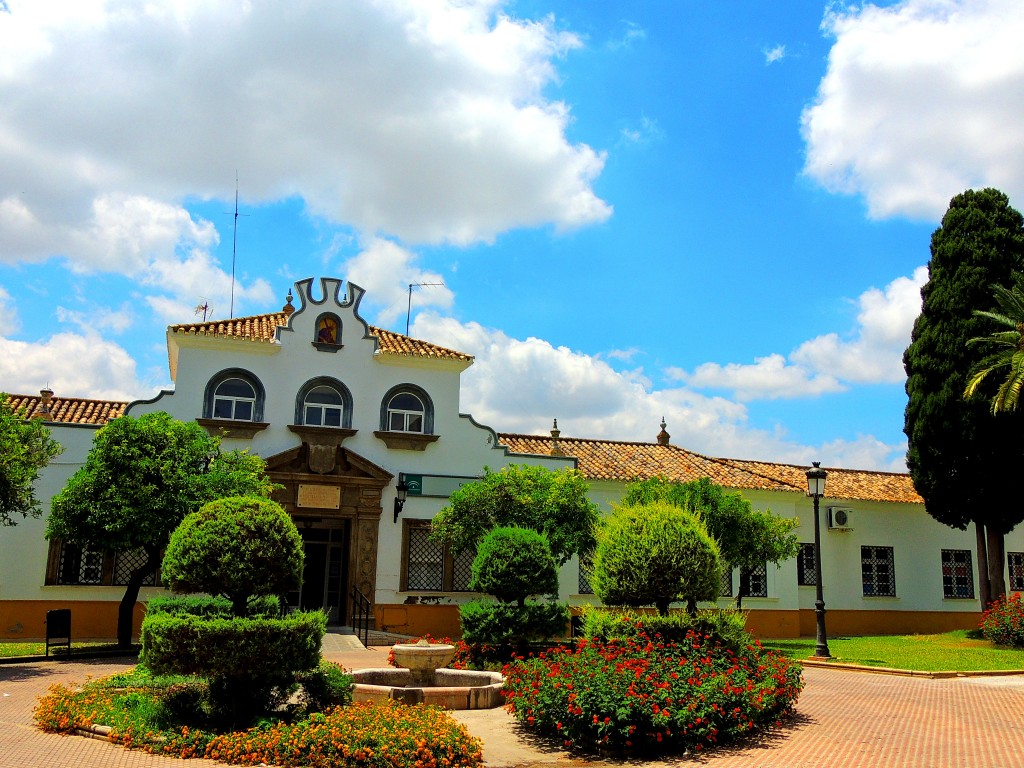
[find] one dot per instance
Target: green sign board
(441, 486)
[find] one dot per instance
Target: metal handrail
(361, 615)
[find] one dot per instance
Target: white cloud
(643, 131)
(99, 318)
(774, 54)
(386, 270)
(520, 386)
(873, 354)
(920, 102)
(72, 365)
(9, 322)
(631, 33)
(769, 378)
(866, 452)
(424, 121)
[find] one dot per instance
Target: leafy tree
(140, 479)
(747, 538)
(553, 503)
(239, 547)
(956, 448)
(1006, 348)
(655, 553)
(25, 448)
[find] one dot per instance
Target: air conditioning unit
(840, 519)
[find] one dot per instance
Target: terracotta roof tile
(69, 410)
(263, 328)
(623, 461)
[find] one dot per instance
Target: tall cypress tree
(964, 460)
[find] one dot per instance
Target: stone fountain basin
(450, 688)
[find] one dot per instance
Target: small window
(127, 562)
(234, 399)
(805, 566)
(323, 407)
(327, 329)
(1016, 563)
(405, 413)
(725, 590)
(757, 581)
(80, 565)
(957, 577)
(583, 583)
(877, 571)
(430, 566)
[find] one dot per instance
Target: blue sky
(714, 213)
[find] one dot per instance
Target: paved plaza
(843, 719)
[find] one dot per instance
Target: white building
(343, 411)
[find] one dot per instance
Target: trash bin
(58, 629)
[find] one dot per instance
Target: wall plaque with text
(319, 496)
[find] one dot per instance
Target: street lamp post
(816, 489)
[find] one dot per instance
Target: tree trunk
(743, 589)
(996, 563)
(126, 610)
(984, 587)
(662, 606)
(691, 606)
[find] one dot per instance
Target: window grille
(79, 565)
(126, 562)
(462, 566)
(805, 566)
(583, 583)
(877, 571)
(1015, 561)
(726, 588)
(957, 577)
(426, 561)
(757, 585)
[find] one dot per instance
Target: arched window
(234, 395)
(406, 413)
(322, 407)
(407, 418)
(323, 402)
(234, 399)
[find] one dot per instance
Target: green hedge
(267, 606)
(232, 647)
(510, 624)
(726, 626)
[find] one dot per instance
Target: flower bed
(649, 696)
(386, 735)
(1003, 622)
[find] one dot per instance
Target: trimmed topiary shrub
(267, 606)
(511, 564)
(509, 624)
(1003, 622)
(514, 563)
(725, 626)
(238, 547)
(326, 686)
(654, 554)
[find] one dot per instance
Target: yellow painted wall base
(417, 620)
(887, 622)
(90, 619)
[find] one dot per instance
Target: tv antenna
(234, 246)
(204, 308)
(408, 311)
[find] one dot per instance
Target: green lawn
(9, 649)
(960, 651)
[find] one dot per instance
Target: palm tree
(1006, 348)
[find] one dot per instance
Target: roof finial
(555, 432)
(288, 308)
(663, 436)
(45, 398)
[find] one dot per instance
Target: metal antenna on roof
(204, 308)
(234, 244)
(408, 312)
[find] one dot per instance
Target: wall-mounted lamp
(401, 493)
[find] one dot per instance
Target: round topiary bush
(239, 547)
(654, 554)
(514, 563)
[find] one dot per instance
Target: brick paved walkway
(844, 720)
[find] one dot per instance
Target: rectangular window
(805, 576)
(726, 589)
(957, 576)
(126, 562)
(79, 565)
(430, 566)
(1016, 563)
(583, 584)
(757, 584)
(878, 574)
